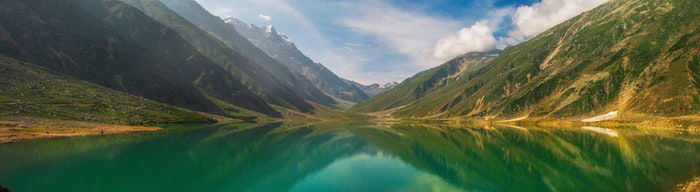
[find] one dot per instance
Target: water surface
(356, 157)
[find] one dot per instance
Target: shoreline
(14, 129)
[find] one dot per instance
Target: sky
(378, 41)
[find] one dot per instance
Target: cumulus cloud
(527, 21)
(478, 37)
(407, 33)
(537, 18)
(265, 17)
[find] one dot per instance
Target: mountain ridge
(216, 27)
(281, 48)
(65, 38)
(637, 57)
(373, 89)
(421, 84)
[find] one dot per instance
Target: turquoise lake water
(356, 157)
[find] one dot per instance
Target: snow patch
(608, 132)
(604, 117)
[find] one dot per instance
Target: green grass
(28, 90)
(643, 47)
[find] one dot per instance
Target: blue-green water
(356, 157)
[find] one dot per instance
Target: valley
(606, 99)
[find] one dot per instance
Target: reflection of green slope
(29, 153)
(278, 157)
(263, 159)
(505, 159)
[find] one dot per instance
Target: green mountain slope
(227, 34)
(29, 90)
(638, 57)
(414, 88)
(114, 45)
(255, 77)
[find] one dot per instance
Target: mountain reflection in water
(357, 157)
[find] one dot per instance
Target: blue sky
(373, 41)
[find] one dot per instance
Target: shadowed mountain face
(227, 34)
(30, 90)
(283, 50)
(632, 56)
(418, 86)
(114, 45)
(254, 76)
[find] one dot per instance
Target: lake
(356, 157)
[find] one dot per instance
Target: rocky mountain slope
(114, 45)
(636, 57)
(414, 88)
(375, 88)
(253, 75)
(216, 27)
(283, 50)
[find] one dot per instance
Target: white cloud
(478, 37)
(406, 33)
(376, 41)
(537, 18)
(265, 17)
(528, 21)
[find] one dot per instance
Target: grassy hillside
(208, 77)
(414, 88)
(197, 15)
(255, 77)
(638, 57)
(114, 45)
(29, 90)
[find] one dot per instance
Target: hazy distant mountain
(414, 88)
(283, 50)
(216, 27)
(114, 45)
(375, 88)
(638, 57)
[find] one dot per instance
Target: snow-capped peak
(389, 84)
(286, 39)
(269, 29)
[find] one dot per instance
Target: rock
(4, 189)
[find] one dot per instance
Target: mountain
(253, 76)
(216, 27)
(114, 45)
(30, 90)
(373, 89)
(283, 50)
(634, 57)
(414, 88)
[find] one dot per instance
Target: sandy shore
(691, 186)
(13, 129)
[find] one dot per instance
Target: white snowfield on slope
(605, 117)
